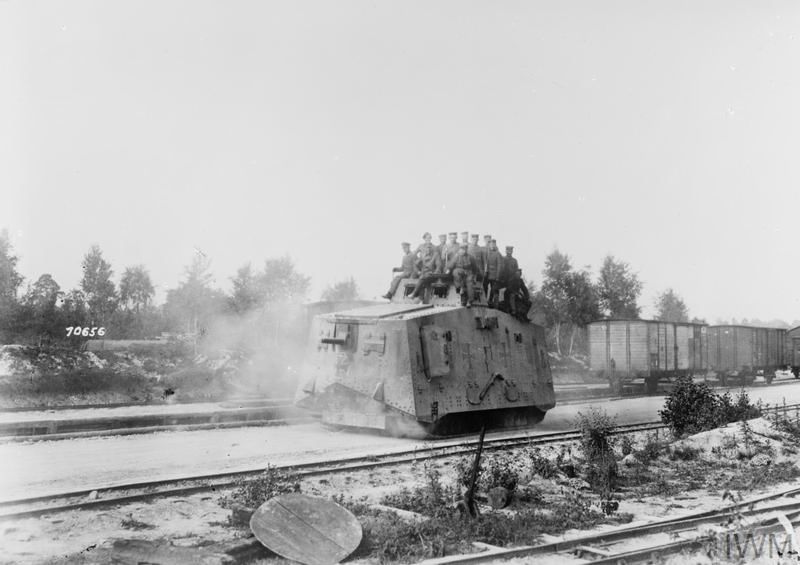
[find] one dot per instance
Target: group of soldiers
(468, 263)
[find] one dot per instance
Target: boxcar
(793, 350)
(742, 352)
(623, 350)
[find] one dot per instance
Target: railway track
(181, 486)
(756, 516)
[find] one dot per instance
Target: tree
(671, 308)
(74, 310)
(10, 281)
(135, 288)
(618, 289)
(40, 304)
(567, 298)
(341, 291)
(99, 289)
(194, 302)
(280, 282)
(247, 294)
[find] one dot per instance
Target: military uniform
(487, 240)
(492, 273)
(479, 254)
(407, 269)
(518, 297)
(442, 242)
(464, 269)
(418, 252)
(450, 249)
(430, 267)
(509, 278)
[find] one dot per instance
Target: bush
(501, 470)
(692, 407)
(650, 450)
(495, 470)
(541, 465)
(730, 411)
(597, 446)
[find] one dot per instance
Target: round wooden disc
(311, 530)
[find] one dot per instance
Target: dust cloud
(259, 352)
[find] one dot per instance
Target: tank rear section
(418, 369)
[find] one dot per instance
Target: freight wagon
(627, 350)
(742, 352)
(793, 350)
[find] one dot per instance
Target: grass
(446, 531)
(388, 539)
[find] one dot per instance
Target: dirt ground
(664, 487)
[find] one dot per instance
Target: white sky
(665, 133)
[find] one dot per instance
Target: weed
(356, 506)
(684, 453)
(626, 445)
(501, 470)
(495, 470)
(255, 492)
(541, 465)
(131, 523)
(749, 478)
(388, 539)
(650, 450)
(432, 499)
(598, 450)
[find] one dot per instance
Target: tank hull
(421, 369)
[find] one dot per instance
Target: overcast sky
(665, 133)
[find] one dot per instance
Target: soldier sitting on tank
(442, 244)
(426, 243)
(408, 269)
(518, 298)
(430, 268)
(492, 271)
(464, 268)
(450, 248)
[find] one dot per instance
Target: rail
(132, 492)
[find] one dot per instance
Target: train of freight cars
(428, 367)
(648, 351)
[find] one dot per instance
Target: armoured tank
(429, 366)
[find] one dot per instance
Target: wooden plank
(311, 530)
